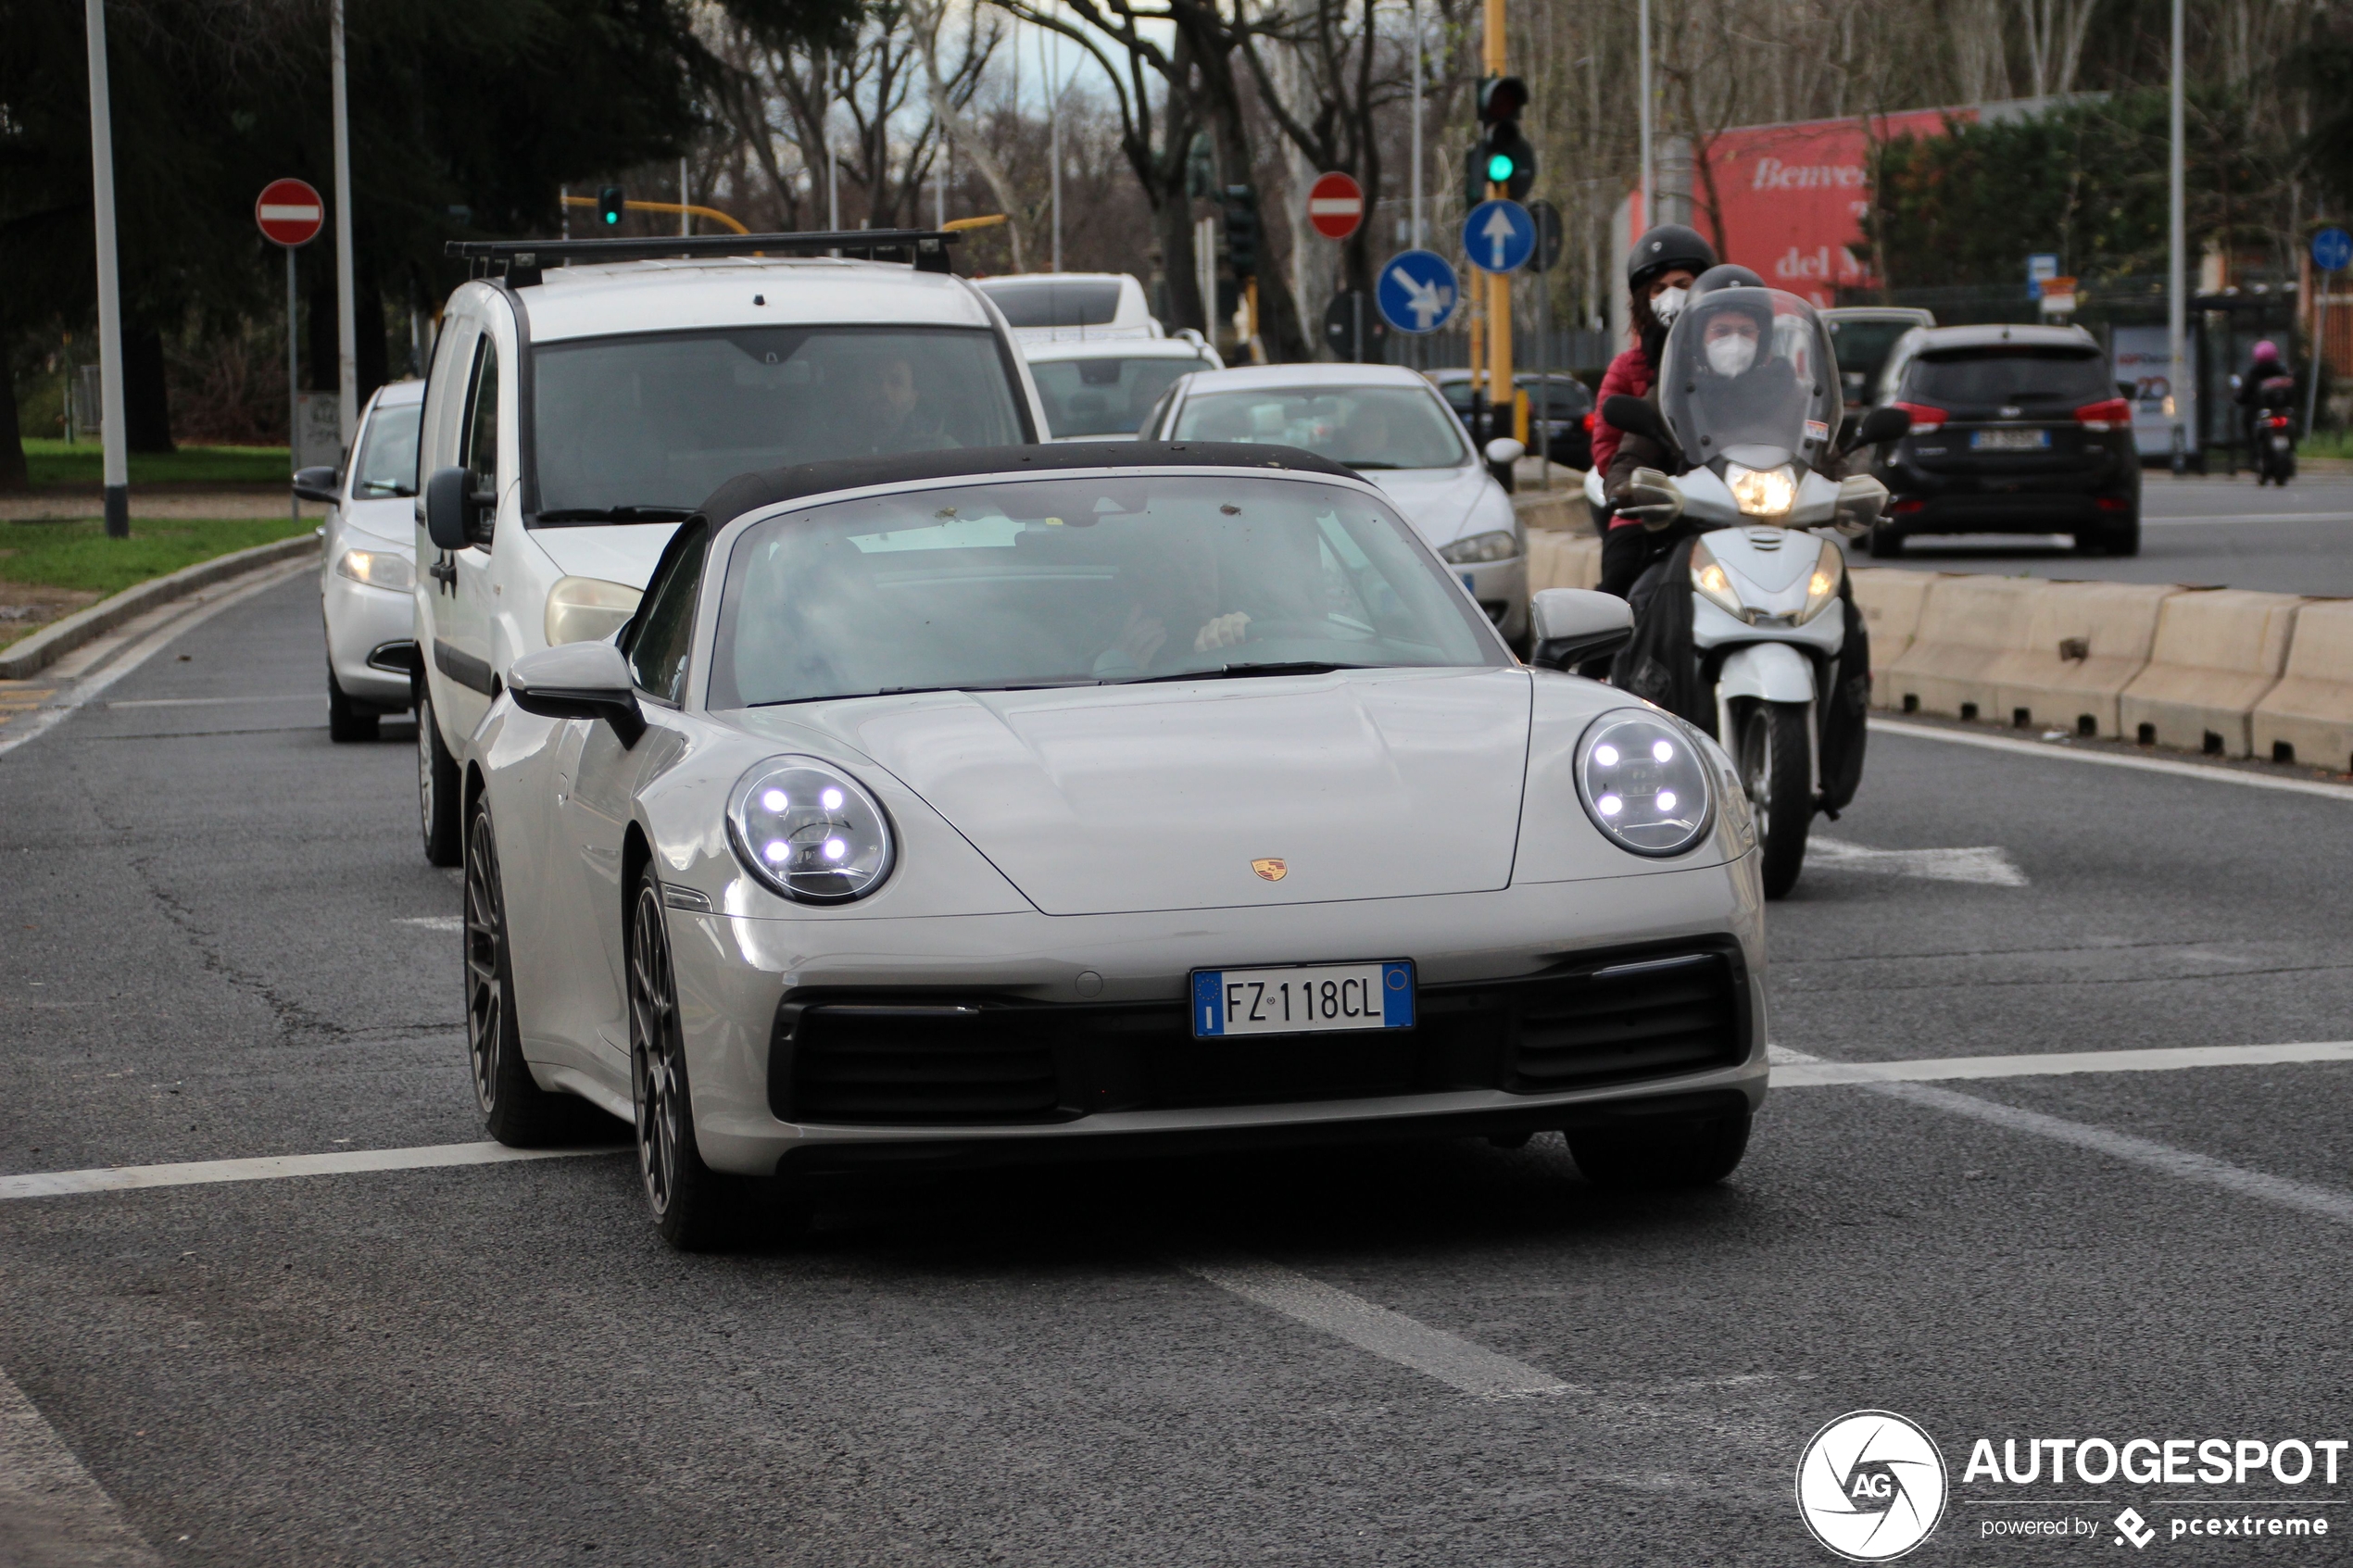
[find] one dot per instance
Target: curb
(52, 643)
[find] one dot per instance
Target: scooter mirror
(1878, 426)
(1861, 498)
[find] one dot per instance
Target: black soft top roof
(752, 491)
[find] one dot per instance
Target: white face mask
(1731, 356)
(1667, 304)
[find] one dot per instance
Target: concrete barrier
(1967, 623)
(2085, 643)
(2216, 654)
(1558, 510)
(1890, 599)
(2308, 716)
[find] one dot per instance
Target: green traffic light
(612, 218)
(1499, 167)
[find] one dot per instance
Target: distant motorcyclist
(1660, 273)
(2266, 387)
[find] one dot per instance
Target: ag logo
(1870, 1485)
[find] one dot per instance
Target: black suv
(1558, 403)
(2015, 430)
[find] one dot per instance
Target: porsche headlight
(1500, 546)
(1711, 582)
(1643, 782)
(588, 609)
(810, 831)
(1822, 586)
(1763, 492)
(378, 568)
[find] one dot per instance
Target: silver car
(370, 564)
(999, 806)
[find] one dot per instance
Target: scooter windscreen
(1748, 378)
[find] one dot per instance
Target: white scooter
(1751, 423)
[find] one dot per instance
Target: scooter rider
(2267, 384)
(1660, 273)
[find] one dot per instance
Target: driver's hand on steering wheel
(1228, 631)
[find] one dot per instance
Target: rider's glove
(1651, 498)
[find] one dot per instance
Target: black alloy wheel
(695, 1208)
(1683, 1153)
(1777, 772)
(518, 1112)
(437, 803)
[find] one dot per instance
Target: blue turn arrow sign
(1417, 291)
(1499, 236)
(2332, 250)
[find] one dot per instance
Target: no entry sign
(290, 213)
(1335, 205)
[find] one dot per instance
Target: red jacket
(1630, 373)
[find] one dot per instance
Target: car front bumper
(1085, 1047)
(366, 623)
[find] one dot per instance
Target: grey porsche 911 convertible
(1042, 802)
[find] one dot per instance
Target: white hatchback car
(1073, 306)
(1389, 425)
(574, 415)
(1064, 802)
(369, 568)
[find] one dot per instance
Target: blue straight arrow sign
(1499, 236)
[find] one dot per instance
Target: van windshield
(1104, 397)
(643, 428)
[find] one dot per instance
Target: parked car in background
(370, 564)
(1863, 336)
(1100, 390)
(1388, 424)
(1558, 402)
(2015, 430)
(1071, 306)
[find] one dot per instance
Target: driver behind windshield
(886, 410)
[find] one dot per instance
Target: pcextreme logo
(1871, 1486)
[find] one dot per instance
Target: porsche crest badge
(1271, 869)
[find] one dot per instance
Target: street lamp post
(111, 434)
(2176, 306)
(346, 307)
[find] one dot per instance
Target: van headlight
(378, 568)
(588, 609)
(809, 831)
(1501, 544)
(1821, 584)
(1643, 781)
(1763, 492)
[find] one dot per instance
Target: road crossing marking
(2204, 770)
(1793, 1070)
(214, 701)
(434, 922)
(52, 1511)
(1990, 864)
(199, 1173)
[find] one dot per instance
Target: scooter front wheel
(1777, 768)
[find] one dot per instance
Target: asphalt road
(224, 944)
(2208, 530)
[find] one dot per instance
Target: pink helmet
(2265, 350)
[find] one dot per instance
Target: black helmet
(1664, 248)
(1727, 276)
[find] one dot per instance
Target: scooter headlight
(1822, 587)
(1644, 783)
(810, 831)
(1766, 493)
(1711, 581)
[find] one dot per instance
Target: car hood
(1439, 503)
(1101, 801)
(623, 552)
(389, 521)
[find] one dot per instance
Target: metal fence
(1566, 348)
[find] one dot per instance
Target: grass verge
(50, 461)
(78, 556)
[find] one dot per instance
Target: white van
(575, 414)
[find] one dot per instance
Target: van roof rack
(520, 262)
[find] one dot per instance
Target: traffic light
(1242, 230)
(1501, 156)
(609, 207)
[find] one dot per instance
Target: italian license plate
(1302, 999)
(2009, 440)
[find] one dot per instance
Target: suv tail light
(1588, 424)
(1925, 420)
(2114, 413)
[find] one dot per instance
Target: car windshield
(1081, 582)
(643, 428)
(388, 458)
(1365, 427)
(2010, 376)
(1104, 397)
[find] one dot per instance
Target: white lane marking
(124, 1178)
(191, 613)
(212, 701)
(1990, 863)
(2148, 522)
(2109, 759)
(434, 922)
(1391, 1335)
(52, 1511)
(2324, 1203)
(1793, 1070)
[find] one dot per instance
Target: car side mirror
(318, 484)
(579, 681)
(1880, 426)
(1568, 626)
(1504, 451)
